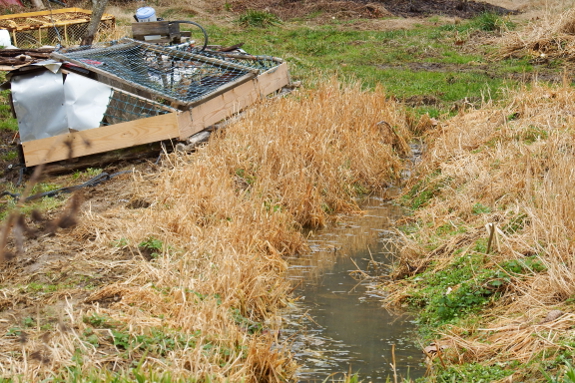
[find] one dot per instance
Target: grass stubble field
(174, 272)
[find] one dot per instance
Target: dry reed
(516, 160)
(550, 37)
(181, 269)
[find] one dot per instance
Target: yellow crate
(62, 26)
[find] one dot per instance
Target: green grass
(7, 122)
(474, 372)
(400, 59)
(258, 19)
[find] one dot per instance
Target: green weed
(516, 224)
(97, 320)
(490, 22)
(479, 208)
(258, 19)
(473, 372)
(423, 191)
(532, 134)
(87, 173)
(10, 155)
(416, 62)
(122, 242)
(7, 121)
(246, 323)
(566, 376)
(153, 246)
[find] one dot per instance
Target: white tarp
(39, 105)
(46, 106)
(86, 101)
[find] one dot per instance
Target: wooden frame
(175, 125)
(21, 32)
(50, 14)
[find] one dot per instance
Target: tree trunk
(38, 4)
(97, 13)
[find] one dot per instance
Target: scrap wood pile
(547, 38)
(23, 56)
(513, 174)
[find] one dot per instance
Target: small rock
(553, 314)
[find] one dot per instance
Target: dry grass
(182, 269)
(551, 36)
(515, 160)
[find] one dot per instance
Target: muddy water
(337, 325)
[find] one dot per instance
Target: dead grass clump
(191, 281)
(509, 167)
(550, 37)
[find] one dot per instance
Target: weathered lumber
(100, 160)
(102, 139)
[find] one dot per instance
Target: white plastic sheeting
(86, 101)
(46, 106)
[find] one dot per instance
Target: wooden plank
(234, 100)
(150, 28)
(186, 126)
(221, 107)
(224, 88)
(40, 13)
(102, 139)
(53, 12)
(273, 79)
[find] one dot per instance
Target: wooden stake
(491, 227)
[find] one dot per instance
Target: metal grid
(64, 26)
(124, 107)
(262, 63)
(170, 74)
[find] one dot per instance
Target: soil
(452, 8)
(289, 9)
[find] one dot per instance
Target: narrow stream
(336, 326)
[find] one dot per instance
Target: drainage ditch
(338, 325)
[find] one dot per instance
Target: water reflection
(335, 326)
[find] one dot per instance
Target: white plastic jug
(146, 14)
(5, 38)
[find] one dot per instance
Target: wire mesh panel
(261, 63)
(170, 74)
(124, 107)
(64, 26)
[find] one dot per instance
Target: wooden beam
(273, 79)
(221, 107)
(102, 139)
(51, 13)
(234, 100)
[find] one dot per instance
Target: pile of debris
(15, 58)
(116, 95)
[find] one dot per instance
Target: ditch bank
(175, 271)
(486, 261)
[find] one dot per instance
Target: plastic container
(5, 38)
(145, 14)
